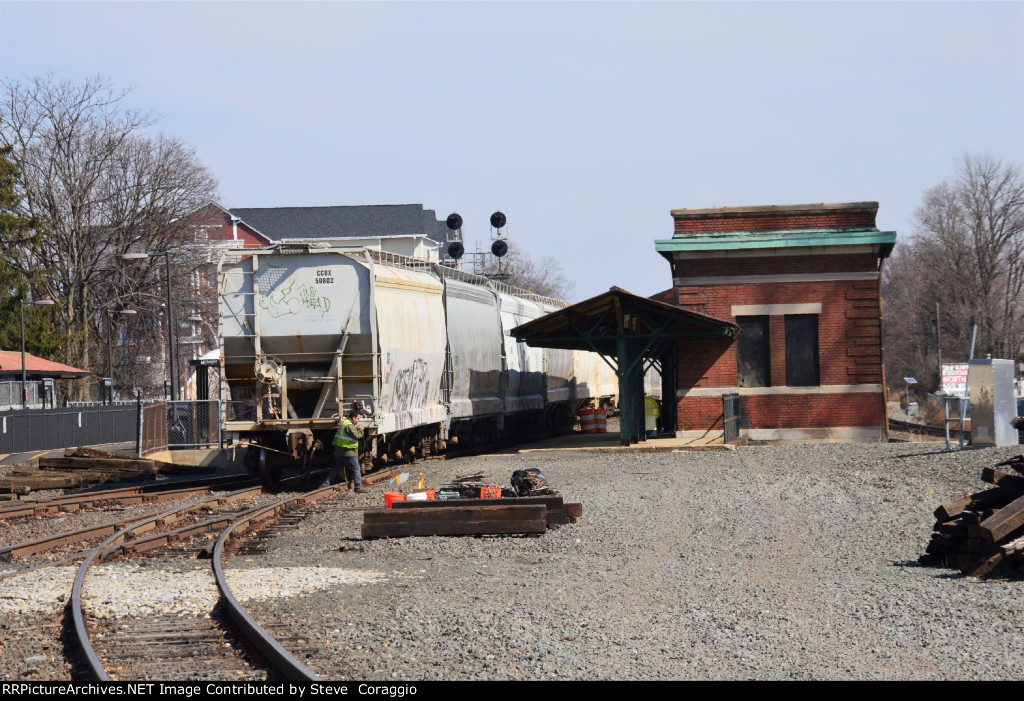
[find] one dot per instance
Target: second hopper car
(308, 331)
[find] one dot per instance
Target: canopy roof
(634, 331)
(596, 324)
(10, 365)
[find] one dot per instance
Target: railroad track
(107, 640)
(228, 645)
(923, 429)
(124, 496)
(63, 544)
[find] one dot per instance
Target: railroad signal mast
(456, 249)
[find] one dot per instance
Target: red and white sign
(954, 380)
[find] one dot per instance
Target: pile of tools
(982, 533)
(525, 483)
(529, 509)
(469, 486)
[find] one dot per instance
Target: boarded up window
(753, 354)
(802, 350)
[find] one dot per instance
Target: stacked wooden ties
(507, 516)
(982, 532)
(83, 467)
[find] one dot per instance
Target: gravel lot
(781, 562)
(775, 562)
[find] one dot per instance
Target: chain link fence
(193, 424)
(181, 424)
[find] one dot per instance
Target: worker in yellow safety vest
(346, 449)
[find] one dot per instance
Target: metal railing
(962, 405)
(167, 425)
(730, 417)
(152, 435)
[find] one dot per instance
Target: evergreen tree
(15, 283)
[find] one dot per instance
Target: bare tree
(544, 277)
(966, 256)
(98, 184)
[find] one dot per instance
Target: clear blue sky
(586, 123)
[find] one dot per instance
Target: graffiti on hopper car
(410, 386)
(312, 300)
(285, 301)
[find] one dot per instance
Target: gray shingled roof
(279, 223)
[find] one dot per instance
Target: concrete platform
(612, 441)
(589, 442)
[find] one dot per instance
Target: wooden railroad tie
(94, 459)
(496, 519)
(982, 532)
(558, 512)
(120, 463)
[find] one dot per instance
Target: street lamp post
(170, 328)
(110, 356)
(24, 385)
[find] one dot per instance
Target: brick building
(802, 283)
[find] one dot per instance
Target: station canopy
(624, 329)
(35, 367)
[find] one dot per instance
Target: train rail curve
(202, 641)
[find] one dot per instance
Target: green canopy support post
(625, 388)
(631, 390)
(639, 432)
(638, 403)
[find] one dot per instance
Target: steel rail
(279, 658)
(123, 495)
(40, 545)
(283, 661)
(13, 510)
(95, 666)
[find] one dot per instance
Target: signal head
(498, 220)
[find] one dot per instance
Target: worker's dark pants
(349, 463)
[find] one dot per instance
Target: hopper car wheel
(270, 474)
(251, 461)
(307, 473)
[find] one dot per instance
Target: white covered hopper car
(308, 331)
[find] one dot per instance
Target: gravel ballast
(776, 562)
(767, 562)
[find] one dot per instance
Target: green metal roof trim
(738, 240)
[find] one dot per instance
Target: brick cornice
(774, 210)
